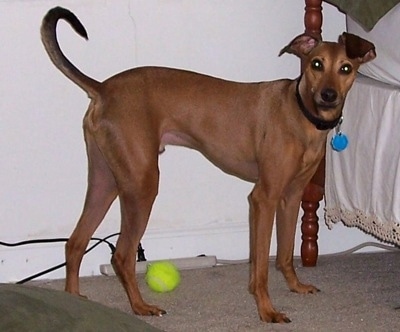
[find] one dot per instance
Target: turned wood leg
(313, 17)
(313, 194)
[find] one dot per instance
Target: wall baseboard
(186, 263)
(226, 241)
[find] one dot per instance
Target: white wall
(43, 178)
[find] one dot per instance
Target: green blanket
(366, 12)
(25, 308)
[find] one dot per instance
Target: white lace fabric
(362, 187)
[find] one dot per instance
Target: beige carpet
(359, 292)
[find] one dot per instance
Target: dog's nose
(329, 95)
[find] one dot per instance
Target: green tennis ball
(162, 276)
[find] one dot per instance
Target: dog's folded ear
(301, 45)
(357, 47)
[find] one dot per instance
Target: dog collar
(319, 123)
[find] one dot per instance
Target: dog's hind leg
(134, 164)
(101, 192)
(136, 202)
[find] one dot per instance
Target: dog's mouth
(327, 106)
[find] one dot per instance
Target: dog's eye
(317, 65)
(346, 69)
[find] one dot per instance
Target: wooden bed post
(313, 17)
(314, 191)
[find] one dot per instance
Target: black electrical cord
(23, 243)
(27, 242)
(140, 251)
(140, 254)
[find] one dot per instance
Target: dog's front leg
(286, 221)
(262, 210)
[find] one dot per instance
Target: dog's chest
(314, 150)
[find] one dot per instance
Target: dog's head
(329, 70)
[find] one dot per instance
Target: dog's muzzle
(328, 101)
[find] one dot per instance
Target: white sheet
(386, 37)
(362, 185)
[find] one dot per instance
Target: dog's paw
(76, 293)
(274, 317)
(148, 310)
(304, 289)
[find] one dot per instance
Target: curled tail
(49, 40)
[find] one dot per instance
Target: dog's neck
(319, 123)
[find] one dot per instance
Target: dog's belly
(240, 167)
(176, 138)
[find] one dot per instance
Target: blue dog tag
(339, 142)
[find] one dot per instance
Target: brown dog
(269, 133)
